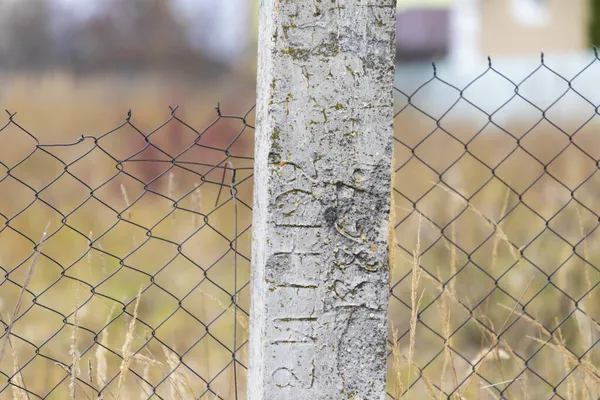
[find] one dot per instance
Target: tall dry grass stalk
(445, 318)
(180, 385)
(453, 257)
(571, 385)
(498, 238)
(496, 245)
(171, 191)
(497, 228)
(414, 300)
(90, 372)
(28, 276)
(590, 371)
(17, 380)
(586, 367)
(126, 199)
(445, 314)
(74, 351)
(89, 253)
(179, 381)
(102, 260)
(398, 386)
(451, 295)
(128, 207)
(392, 242)
(197, 203)
(145, 386)
(126, 350)
(101, 361)
(495, 340)
(586, 337)
(171, 186)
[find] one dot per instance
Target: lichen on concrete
(322, 200)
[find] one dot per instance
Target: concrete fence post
(323, 156)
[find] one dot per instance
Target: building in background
(467, 30)
(459, 35)
(221, 28)
(526, 26)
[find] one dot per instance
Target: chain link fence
(494, 291)
(126, 255)
(137, 287)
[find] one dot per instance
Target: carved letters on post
(322, 200)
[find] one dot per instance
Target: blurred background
(181, 233)
(79, 51)
(177, 48)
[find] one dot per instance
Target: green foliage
(594, 24)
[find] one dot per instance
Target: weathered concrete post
(322, 199)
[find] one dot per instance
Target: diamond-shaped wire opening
(574, 233)
(15, 144)
(516, 117)
(469, 230)
(465, 121)
(417, 187)
(547, 263)
(572, 168)
(555, 88)
(585, 138)
(443, 260)
(513, 222)
(519, 170)
(491, 145)
(467, 176)
(113, 221)
(555, 141)
(522, 280)
(416, 126)
(476, 92)
(575, 277)
(550, 307)
(571, 112)
(43, 377)
(580, 81)
(440, 206)
(439, 150)
(585, 194)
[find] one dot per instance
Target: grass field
(462, 234)
(495, 283)
(170, 229)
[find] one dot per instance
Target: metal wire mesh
(137, 287)
(494, 290)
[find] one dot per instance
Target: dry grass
(462, 353)
(483, 338)
(19, 303)
(127, 350)
(101, 357)
(415, 303)
(19, 384)
(59, 109)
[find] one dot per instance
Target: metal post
(322, 199)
